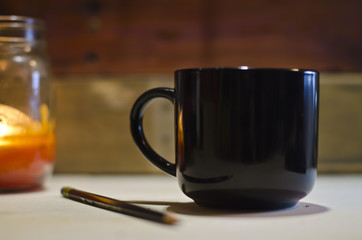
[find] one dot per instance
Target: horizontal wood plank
(112, 36)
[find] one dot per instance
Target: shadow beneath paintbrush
(191, 208)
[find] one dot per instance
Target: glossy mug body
(245, 138)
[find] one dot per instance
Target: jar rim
(20, 19)
(20, 29)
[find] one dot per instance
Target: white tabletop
(332, 211)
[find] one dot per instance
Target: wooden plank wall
(128, 36)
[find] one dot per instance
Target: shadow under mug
(246, 138)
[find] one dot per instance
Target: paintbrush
(116, 205)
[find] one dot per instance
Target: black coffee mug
(246, 138)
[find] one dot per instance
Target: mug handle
(138, 135)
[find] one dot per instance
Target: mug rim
(247, 68)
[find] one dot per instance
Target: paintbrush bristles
(169, 219)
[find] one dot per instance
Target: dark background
(132, 36)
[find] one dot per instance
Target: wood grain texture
(93, 134)
(112, 36)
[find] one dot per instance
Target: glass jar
(27, 140)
